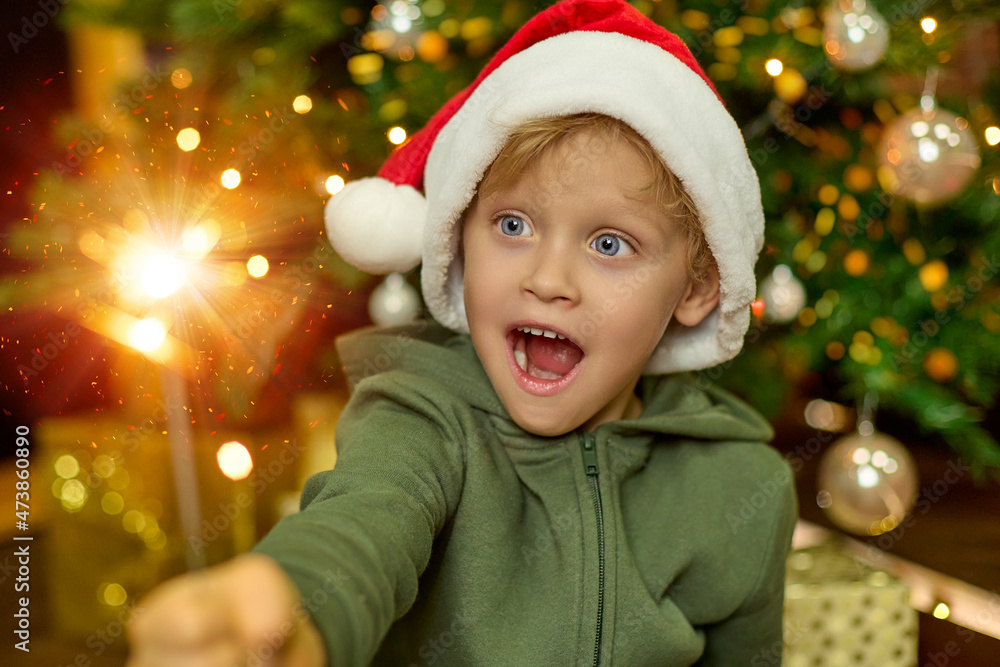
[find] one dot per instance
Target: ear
(699, 299)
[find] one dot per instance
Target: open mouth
(543, 354)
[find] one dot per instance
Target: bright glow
(147, 335)
(867, 477)
(234, 460)
(879, 458)
(257, 266)
(401, 24)
(302, 104)
(188, 139)
(941, 611)
(397, 135)
(334, 184)
(162, 275)
(928, 24)
(861, 455)
(993, 135)
(920, 128)
(230, 179)
(774, 67)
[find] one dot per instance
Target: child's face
(565, 250)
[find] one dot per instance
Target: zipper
(588, 447)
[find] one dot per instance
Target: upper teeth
(534, 331)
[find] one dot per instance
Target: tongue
(552, 354)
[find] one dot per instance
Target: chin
(542, 426)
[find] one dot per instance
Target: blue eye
(612, 246)
(511, 225)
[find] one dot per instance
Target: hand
(239, 612)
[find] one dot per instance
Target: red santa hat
(598, 56)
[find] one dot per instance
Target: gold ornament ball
(941, 364)
(783, 294)
(855, 36)
(867, 484)
(927, 157)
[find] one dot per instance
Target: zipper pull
(588, 447)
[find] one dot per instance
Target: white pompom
(376, 225)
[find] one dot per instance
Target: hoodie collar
(683, 404)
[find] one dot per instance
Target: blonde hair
(533, 139)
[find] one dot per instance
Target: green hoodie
(448, 535)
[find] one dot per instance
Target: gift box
(841, 611)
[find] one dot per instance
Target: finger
(183, 613)
(214, 654)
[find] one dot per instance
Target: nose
(551, 275)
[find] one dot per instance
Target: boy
(537, 491)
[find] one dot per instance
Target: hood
(681, 404)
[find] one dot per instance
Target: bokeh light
(397, 135)
(773, 67)
(67, 466)
(234, 460)
(257, 266)
(230, 179)
(188, 139)
(181, 78)
(334, 184)
(302, 104)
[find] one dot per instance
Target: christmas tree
(871, 125)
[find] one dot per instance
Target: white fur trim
(377, 225)
(668, 104)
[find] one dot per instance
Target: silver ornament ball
(393, 302)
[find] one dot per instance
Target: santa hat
(599, 56)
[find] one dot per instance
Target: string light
(928, 24)
(993, 135)
(774, 67)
